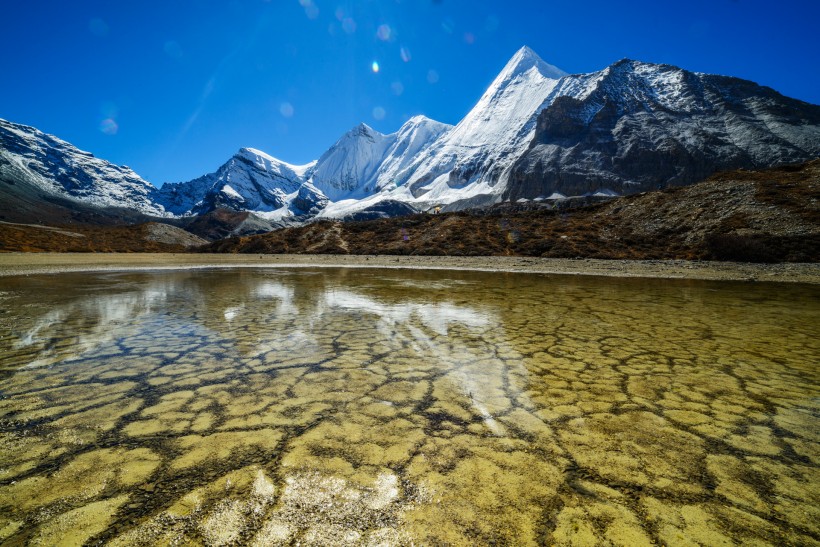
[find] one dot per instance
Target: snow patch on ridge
(231, 192)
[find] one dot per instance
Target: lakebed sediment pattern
(275, 406)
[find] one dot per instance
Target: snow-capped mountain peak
(401, 158)
(421, 120)
(421, 128)
(524, 60)
(366, 165)
(490, 137)
(267, 162)
(250, 180)
(418, 119)
(361, 163)
(362, 130)
(535, 132)
(348, 167)
(637, 126)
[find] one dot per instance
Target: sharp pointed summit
(362, 130)
(525, 59)
(486, 142)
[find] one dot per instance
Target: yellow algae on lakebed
(386, 407)
(77, 526)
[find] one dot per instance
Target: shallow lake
(390, 407)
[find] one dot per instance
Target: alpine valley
(536, 134)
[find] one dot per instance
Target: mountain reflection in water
(276, 406)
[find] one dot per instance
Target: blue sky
(174, 88)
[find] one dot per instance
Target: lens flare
(348, 25)
(384, 33)
(312, 11)
(397, 88)
(510, 233)
(469, 38)
(109, 126)
(286, 109)
(375, 67)
(379, 113)
(432, 76)
(405, 54)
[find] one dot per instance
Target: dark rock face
(309, 200)
(644, 127)
(383, 209)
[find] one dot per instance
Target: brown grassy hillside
(148, 237)
(757, 216)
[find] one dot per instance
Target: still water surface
(388, 407)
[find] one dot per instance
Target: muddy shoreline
(38, 263)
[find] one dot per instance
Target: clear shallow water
(396, 407)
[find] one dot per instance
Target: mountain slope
(537, 133)
(365, 168)
(756, 216)
(250, 181)
(142, 238)
(349, 168)
(37, 167)
(467, 162)
(638, 126)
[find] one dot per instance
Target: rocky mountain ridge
(537, 133)
(34, 164)
(640, 126)
(770, 215)
(251, 181)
